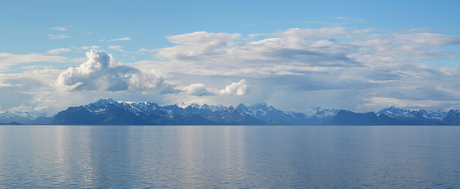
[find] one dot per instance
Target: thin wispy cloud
(61, 28)
(324, 23)
(145, 50)
(118, 48)
(8, 59)
(58, 51)
(118, 39)
(255, 34)
(349, 19)
(90, 47)
(57, 36)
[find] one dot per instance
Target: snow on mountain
(394, 112)
(321, 113)
(21, 117)
(260, 111)
(136, 108)
(213, 107)
(268, 113)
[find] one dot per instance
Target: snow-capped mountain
(452, 118)
(394, 112)
(111, 112)
(321, 113)
(268, 113)
(23, 117)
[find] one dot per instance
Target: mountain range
(111, 112)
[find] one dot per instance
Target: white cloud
(349, 19)
(118, 48)
(197, 44)
(58, 51)
(119, 39)
(61, 28)
(255, 34)
(240, 88)
(57, 36)
(90, 47)
(102, 72)
(197, 89)
(144, 50)
(8, 59)
(327, 61)
(295, 50)
(295, 69)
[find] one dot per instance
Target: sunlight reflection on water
(229, 157)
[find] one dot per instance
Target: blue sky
(294, 55)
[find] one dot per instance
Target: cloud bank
(328, 64)
(293, 69)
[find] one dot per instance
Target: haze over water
(229, 157)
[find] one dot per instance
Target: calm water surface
(229, 157)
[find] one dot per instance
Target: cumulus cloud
(57, 36)
(102, 72)
(240, 88)
(199, 89)
(58, 51)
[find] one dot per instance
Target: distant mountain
(23, 118)
(344, 117)
(396, 116)
(418, 114)
(271, 115)
(231, 116)
(111, 112)
(11, 123)
(452, 118)
(414, 117)
(20, 117)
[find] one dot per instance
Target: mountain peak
(241, 106)
(103, 102)
(262, 105)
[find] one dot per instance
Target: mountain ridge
(111, 112)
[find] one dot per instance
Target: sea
(229, 157)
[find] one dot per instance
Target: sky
(294, 55)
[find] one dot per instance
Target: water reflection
(81, 155)
(213, 154)
(228, 157)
